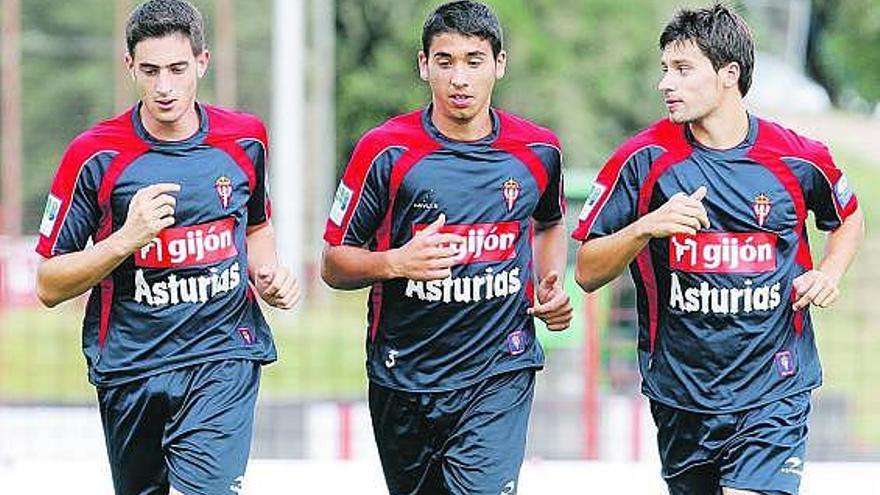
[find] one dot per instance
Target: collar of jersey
(447, 142)
(161, 145)
(739, 150)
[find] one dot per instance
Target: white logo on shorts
(793, 465)
(509, 488)
(237, 485)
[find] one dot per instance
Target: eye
(150, 71)
(444, 64)
(178, 69)
(475, 62)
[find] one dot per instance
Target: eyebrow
(478, 53)
(149, 65)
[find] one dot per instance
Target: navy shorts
(468, 441)
(760, 450)
(189, 428)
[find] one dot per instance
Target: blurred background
(321, 73)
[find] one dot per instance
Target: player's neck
(179, 130)
(725, 128)
(471, 130)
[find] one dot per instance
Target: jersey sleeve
(362, 197)
(612, 202)
(827, 192)
(259, 205)
(72, 214)
(551, 206)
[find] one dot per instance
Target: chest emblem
(223, 186)
(761, 206)
(510, 189)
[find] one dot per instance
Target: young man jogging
(172, 196)
(709, 210)
(439, 211)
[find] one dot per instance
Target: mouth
(165, 103)
(673, 104)
(461, 100)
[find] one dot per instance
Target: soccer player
(438, 211)
(172, 196)
(709, 209)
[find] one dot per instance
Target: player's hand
(429, 255)
(277, 286)
(151, 209)
(681, 214)
(554, 306)
(814, 287)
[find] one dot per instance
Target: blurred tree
(842, 52)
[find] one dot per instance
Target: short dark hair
(721, 34)
(158, 18)
(464, 17)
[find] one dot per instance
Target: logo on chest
(223, 186)
(189, 246)
(510, 190)
(761, 206)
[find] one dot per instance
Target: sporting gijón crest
(761, 206)
(223, 186)
(511, 190)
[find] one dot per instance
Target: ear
(128, 60)
(202, 62)
(500, 64)
(423, 65)
(730, 75)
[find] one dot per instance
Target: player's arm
(554, 306)
(68, 275)
(273, 282)
(429, 255)
(601, 259)
(820, 286)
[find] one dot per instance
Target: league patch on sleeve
(340, 204)
(842, 191)
(53, 207)
(596, 192)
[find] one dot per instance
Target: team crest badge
(223, 186)
(511, 190)
(761, 207)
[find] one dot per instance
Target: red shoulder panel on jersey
(226, 127)
(401, 131)
(515, 136)
(663, 134)
(114, 135)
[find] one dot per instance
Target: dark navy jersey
(448, 334)
(716, 329)
(184, 298)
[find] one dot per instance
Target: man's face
(691, 87)
(461, 72)
(166, 74)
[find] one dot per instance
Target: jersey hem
(466, 384)
(113, 382)
(731, 410)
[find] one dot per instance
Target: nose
(163, 82)
(459, 78)
(665, 84)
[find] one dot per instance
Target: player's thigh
(133, 416)
(484, 453)
(408, 444)
(767, 454)
(207, 440)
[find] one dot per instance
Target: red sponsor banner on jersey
(723, 252)
(189, 246)
(482, 241)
